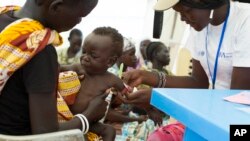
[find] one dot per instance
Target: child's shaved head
(116, 37)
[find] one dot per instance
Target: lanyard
(213, 77)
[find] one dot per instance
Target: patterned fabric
(20, 41)
(8, 8)
(128, 44)
(64, 113)
(114, 69)
(68, 86)
(134, 131)
(93, 137)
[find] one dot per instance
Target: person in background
(158, 54)
(73, 52)
(219, 45)
(28, 90)
(127, 59)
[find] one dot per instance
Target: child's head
(102, 47)
(75, 39)
(128, 57)
(60, 15)
(158, 52)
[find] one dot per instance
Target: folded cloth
(68, 86)
(171, 132)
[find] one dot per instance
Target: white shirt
(235, 49)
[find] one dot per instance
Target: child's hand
(140, 98)
(155, 115)
(142, 118)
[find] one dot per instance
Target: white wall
(12, 2)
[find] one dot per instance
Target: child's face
(163, 55)
(98, 54)
(63, 15)
(128, 58)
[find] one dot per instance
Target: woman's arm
(197, 80)
(43, 113)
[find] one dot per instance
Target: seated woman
(158, 54)
(29, 67)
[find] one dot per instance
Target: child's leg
(106, 131)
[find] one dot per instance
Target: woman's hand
(133, 78)
(96, 108)
(140, 98)
(136, 77)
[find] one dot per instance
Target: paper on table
(242, 98)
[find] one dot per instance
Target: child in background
(127, 59)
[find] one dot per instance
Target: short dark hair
(75, 32)
(152, 49)
(116, 37)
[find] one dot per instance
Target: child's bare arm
(117, 83)
(71, 67)
(115, 116)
